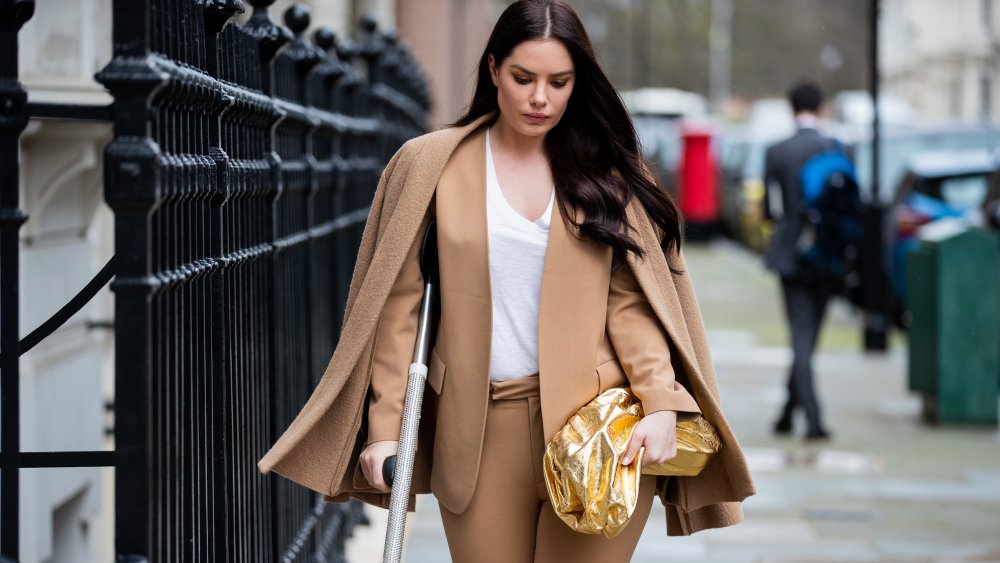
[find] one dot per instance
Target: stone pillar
(448, 37)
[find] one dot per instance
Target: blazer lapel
(462, 236)
(464, 331)
(571, 315)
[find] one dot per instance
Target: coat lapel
(400, 229)
(658, 286)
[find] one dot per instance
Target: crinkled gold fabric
(696, 442)
(590, 490)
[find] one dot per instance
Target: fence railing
(243, 161)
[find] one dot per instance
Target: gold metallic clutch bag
(590, 490)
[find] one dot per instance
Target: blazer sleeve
(396, 335)
(643, 348)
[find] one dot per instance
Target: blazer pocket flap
(611, 374)
(435, 372)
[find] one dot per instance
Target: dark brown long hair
(593, 150)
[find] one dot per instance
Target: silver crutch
(397, 470)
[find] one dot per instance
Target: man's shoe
(783, 427)
(817, 435)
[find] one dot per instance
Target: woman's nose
(538, 97)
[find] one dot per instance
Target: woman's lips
(536, 117)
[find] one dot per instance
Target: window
(986, 14)
(964, 192)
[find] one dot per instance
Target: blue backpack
(833, 214)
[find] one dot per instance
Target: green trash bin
(953, 293)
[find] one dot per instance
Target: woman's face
(533, 85)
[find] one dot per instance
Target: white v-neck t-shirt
(517, 256)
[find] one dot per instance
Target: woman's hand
(658, 432)
(372, 459)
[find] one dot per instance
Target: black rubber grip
(389, 470)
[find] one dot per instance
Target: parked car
(900, 144)
(660, 138)
(732, 146)
(937, 185)
(742, 187)
(657, 114)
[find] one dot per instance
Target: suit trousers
(805, 305)
(510, 518)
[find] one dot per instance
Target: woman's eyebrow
(526, 71)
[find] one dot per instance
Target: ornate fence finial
(347, 50)
(218, 12)
(304, 53)
(325, 38)
(16, 12)
(330, 69)
(372, 47)
(369, 24)
(272, 36)
(297, 19)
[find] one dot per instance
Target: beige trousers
(510, 519)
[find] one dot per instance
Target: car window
(896, 152)
(753, 167)
(733, 154)
(962, 192)
(660, 139)
(670, 152)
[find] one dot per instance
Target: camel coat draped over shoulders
(442, 174)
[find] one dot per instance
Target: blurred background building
(944, 57)
(67, 379)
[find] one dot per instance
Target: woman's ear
(493, 68)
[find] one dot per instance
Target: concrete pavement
(886, 488)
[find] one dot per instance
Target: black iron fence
(243, 161)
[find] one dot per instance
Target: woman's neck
(506, 139)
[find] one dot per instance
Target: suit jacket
(782, 165)
(586, 343)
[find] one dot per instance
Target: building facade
(944, 57)
(67, 379)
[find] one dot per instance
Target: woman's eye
(521, 80)
(560, 84)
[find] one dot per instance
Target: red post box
(699, 181)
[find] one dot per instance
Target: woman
(561, 276)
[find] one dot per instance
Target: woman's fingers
(634, 443)
(657, 433)
(375, 475)
(372, 459)
(666, 454)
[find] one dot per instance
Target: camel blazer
(596, 329)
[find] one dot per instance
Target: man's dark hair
(805, 96)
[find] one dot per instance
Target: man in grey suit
(805, 293)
